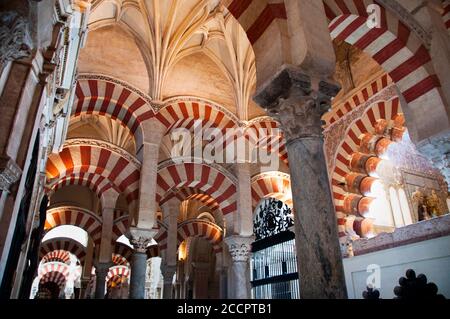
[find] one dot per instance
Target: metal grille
(274, 272)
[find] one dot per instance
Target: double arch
(211, 180)
(63, 244)
(201, 229)
(399, 51)
(96, 158)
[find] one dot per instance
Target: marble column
(240, 248)
(201, 280)
(153, 132)
(171, 209)
(101, 271)
(298, 100)
(168, 271)
(83, 288)
(140, 243)
(105, 254)
(87, 268)
(223, 279)
(244, 222)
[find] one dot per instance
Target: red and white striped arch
(359, 98)
(104, 96)
(398, 50)
(61, 256)
(189, 193)
(89, 159)
(161, 236)
(97, 183)
(123, 250)
(266, 133)
(201, 229)
(64, 244)
(183, 114)
(350, 145)
(120, 227)
(120, 260)
(54, 272)
(271, 184)
(446, 14)
(354, 176)
(208, 179)
(256, 16)
(75, 216)
(121, 271)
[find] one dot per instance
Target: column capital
(239, 247)
(15, 37)
(168, 271)
(141, 238)
(297, 99)
(10, 173)
(102, 268)
(154, 131)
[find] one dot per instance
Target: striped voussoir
(120, 227)
(61, 256)
(446, 14)
(97, 183)
(358, 157)
(54, 272)
(120, 260)
(75, 216)
(161, 236)
(109, 98)
(256, 16)
(195, 194)
(118, 271)
(195, 114)
(184, 114)
(201, 229)
(200, 176)
(398, 50)
(63, 244)
(272, 184)
(123, 250)
(266, 133)
(359, 98)
(92, 159)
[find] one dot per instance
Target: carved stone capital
(239, 247)
(141, 238)
(10, 173)
(15, 38)
(102, 269)
(167, 272)
(298, 101)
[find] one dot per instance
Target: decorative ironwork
(272, 217)
(416, 288)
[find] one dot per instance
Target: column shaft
(298, 100)
(168, 271)
(101, 272)
(316, 234)
(244, 221)
(137, 280)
